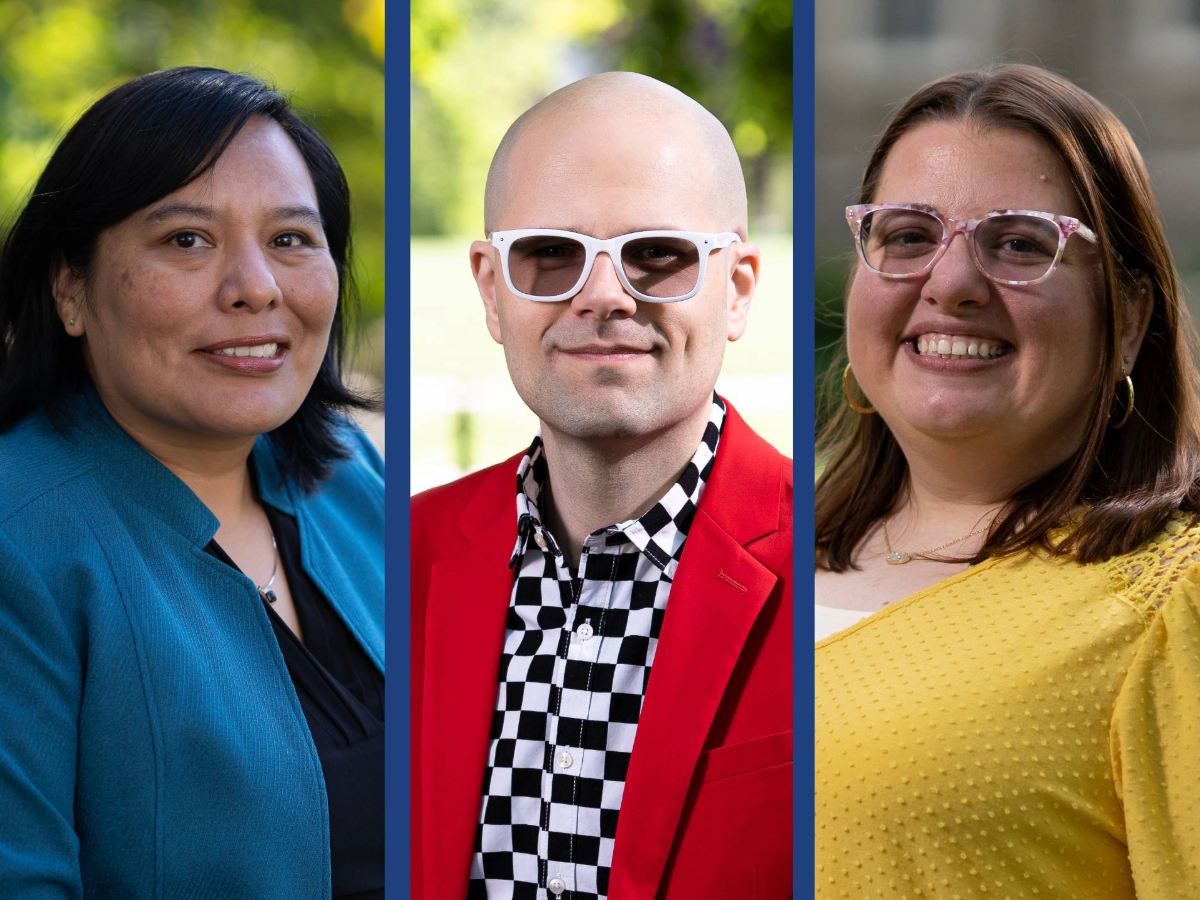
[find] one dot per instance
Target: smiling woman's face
(1037, 393)
(208, 313)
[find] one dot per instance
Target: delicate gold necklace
(900, 557)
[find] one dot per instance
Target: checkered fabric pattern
(578, 648)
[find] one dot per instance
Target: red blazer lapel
(713, 604)
(464, 637)
(718, 592)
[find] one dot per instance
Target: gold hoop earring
(854, 405)
(1117, 426)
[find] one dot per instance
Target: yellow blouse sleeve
(1155, 734)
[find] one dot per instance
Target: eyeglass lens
(550, 265)
(1009, 247)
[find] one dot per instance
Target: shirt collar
(658, 533)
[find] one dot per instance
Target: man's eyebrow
(663, 227)
(652, 227)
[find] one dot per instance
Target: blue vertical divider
(397, 444)
(803, 442)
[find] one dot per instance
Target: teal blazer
(151, 742)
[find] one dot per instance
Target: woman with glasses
(1008, 556)
(191, 529)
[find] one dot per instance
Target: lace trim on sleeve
(1146, 577)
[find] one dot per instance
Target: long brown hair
(1126, 482)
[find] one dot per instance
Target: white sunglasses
(548, 265)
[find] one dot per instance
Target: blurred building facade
(1140, 57)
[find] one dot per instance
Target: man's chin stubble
(591, 420)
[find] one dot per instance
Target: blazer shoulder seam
(48, 489)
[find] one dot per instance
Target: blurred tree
(747, 44)
(477, 64)
(58, 56)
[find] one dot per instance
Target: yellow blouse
(1029, 728)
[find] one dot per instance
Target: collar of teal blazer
(130, 470)
(128, 466)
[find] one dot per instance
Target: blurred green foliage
(478, 64)
(56, 58)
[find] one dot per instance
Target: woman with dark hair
(191, 559)
(1008, 607)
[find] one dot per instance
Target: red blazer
(707, 808)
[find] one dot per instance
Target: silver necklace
(265, 589)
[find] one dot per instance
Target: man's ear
(483, 268)
(67, 287)
(743, 278)
(1136, 320)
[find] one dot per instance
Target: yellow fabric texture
(1029, 728)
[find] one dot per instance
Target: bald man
(646, 530)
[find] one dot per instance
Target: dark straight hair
(1124, 484)
(135, 145)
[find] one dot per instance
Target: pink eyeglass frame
(1067, 226)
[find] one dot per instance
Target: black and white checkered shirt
(576, 662)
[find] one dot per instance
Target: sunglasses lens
(545, 265)
(1017, 247)
(661, 267)
(900, 241)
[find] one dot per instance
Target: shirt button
(584, 631)
(565, 759)
(557, 885)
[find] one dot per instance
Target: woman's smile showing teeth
(249, 355)
(260, 351)
(959, 346)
